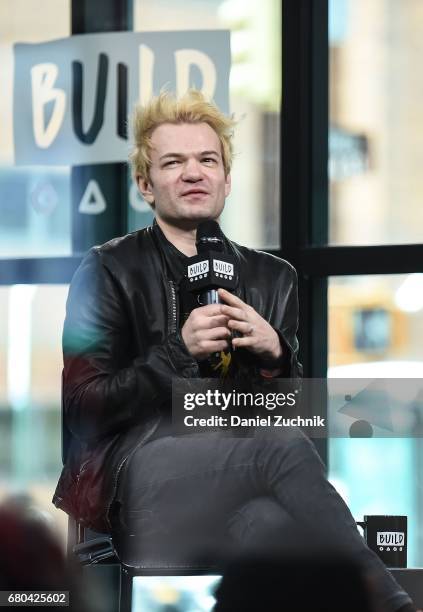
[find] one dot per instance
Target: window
(34, 201)
(34, 223)
(251, 215)
(375, 321)
(376, 96)
(345, 175)
(31, 320)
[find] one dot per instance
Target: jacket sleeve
(289, 328)
(105, 389)
(284, 320)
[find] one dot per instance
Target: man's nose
(192, 170)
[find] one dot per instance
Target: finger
(242, 326)
(217, 333)
(214, 347)
(245, 341)
(218, 321)
(234, 313)
(230, 298)
(211, 310)
(204, 322)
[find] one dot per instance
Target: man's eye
(209, 160)
(171, 162)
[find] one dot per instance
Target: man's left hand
(258, 336)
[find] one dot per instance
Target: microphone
(206, 272)
(211, 268)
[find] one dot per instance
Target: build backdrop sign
(72, 96)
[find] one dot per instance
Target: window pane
(31, 322)
(251, 216)
(375, 327)
(376, 97)
(34, 201)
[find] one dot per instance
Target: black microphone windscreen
(209, 229)
(209, 236)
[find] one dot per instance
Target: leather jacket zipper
(115, 483)
(173, 314)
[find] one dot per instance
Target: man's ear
(228, 184)
(145, 189)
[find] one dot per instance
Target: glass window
(376, 123)
(251, 215)
(376, 320)
(34, 201)
(374, 332)
(31, 322)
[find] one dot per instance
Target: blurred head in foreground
(31, 556)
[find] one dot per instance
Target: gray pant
(187, 500)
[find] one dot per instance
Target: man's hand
(258, 336)
(206, 331)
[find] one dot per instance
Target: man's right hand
(206, 332)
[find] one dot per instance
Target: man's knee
(283, 456)
(258, 522)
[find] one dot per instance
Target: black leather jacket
(122, 347)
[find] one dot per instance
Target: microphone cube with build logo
(211, 269)
(386, 535)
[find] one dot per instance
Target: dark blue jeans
(187, 500)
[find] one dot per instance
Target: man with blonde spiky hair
(129, 330)
(192, 109)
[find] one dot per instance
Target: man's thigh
(182, 493)
(190, 479)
